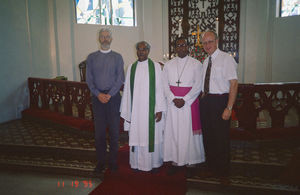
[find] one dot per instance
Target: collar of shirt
(215, 54)
(105, 51)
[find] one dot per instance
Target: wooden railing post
(67, 101)
(245, 111)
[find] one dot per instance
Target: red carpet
(128, 182)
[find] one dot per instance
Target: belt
(202, 95)
(212, 94)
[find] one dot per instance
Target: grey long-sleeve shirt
(105, 72)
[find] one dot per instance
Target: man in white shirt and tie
(219, 90)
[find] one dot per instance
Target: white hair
(105, 30)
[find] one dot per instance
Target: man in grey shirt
(105, 76)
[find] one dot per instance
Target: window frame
(280, 10)
(111, 14)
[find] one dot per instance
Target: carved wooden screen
(204, 13)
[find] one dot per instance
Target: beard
(105, 45)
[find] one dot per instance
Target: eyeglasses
(142, 49)
(208, 42)
(181, 45)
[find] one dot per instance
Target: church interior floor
(38, 158)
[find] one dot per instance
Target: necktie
(207, 77)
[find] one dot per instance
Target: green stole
(151, 70)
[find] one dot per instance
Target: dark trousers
(215, 133)
(107, 115)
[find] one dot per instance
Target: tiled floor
(256, 164)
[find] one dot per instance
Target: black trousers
(215, 133)
(107, 115)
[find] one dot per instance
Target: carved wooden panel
(55, 95)
(35, 92)
(276, 99)
(202, 13)
(67, 97)
(175, 15)
(205, 14)
(229, 31)
(80, 99)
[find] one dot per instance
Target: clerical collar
(214, 55)
(105, 51)
(181, 60)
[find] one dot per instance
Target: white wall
(269, 49)
(286, 50)
(24, 52)
(65, 35)
(75, 41)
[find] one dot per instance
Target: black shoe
(172, 170)
(135, 170)
(114, 168)
(202, 166)
(154, 171)
(99, 168)
(190, 172)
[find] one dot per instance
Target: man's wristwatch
(229, 108)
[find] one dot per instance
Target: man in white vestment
(183, 144)
(142, 105)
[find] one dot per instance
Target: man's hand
(179, 102)
(158, 116)
(231, 99)
(108, 97)
(226, 114)
(104, 98)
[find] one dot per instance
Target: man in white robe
(144, 123)
(183, 144)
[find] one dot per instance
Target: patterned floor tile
(255, 164)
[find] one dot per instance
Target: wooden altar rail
(275, 98)
(73, 99)
(70, 98)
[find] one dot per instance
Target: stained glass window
(289, 8)
(106, 12)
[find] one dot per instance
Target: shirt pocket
(216, 73)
